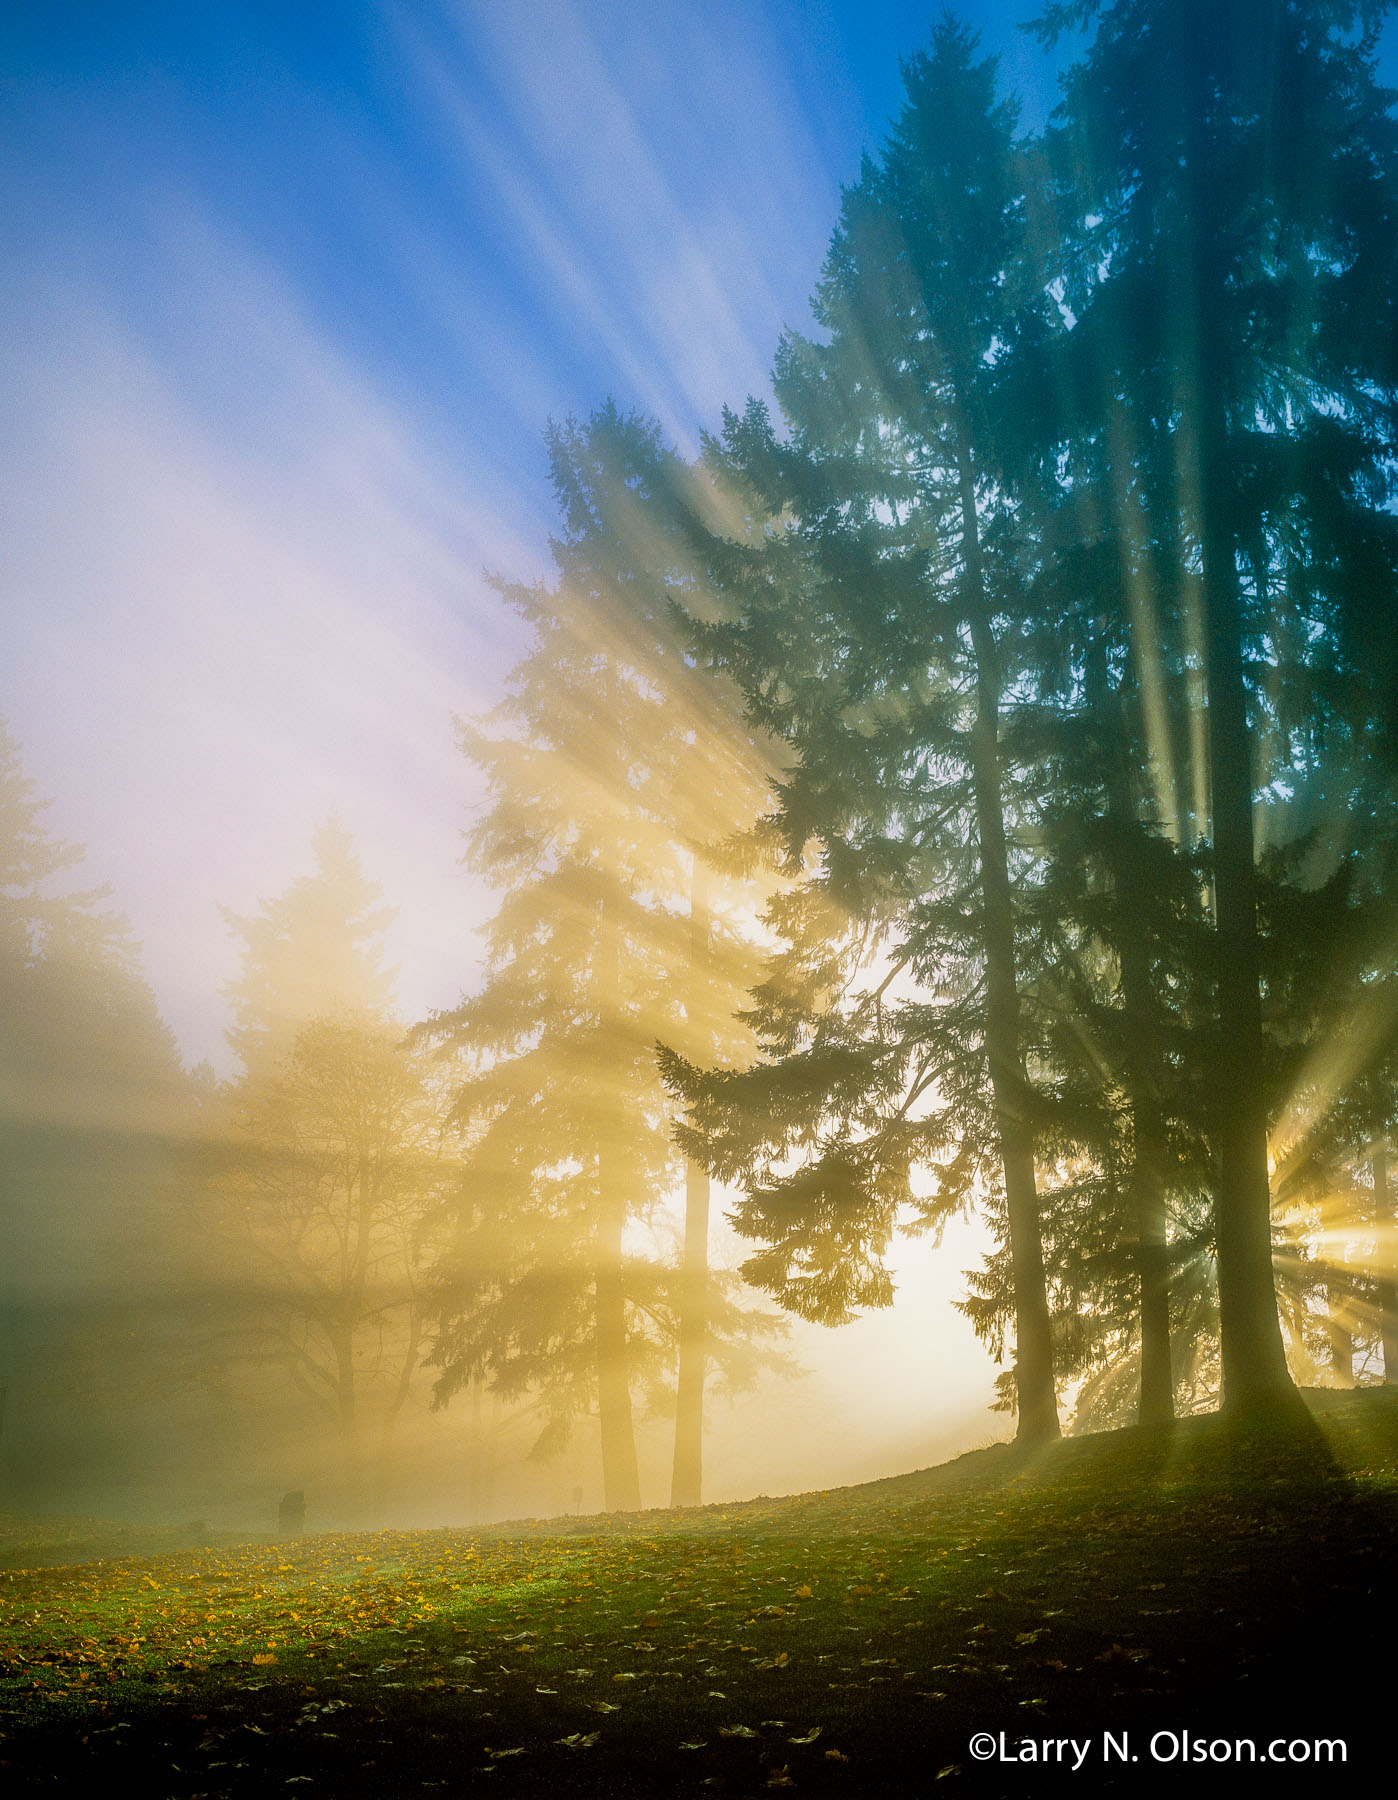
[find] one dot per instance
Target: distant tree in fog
(97, 1303)
(330, 1161)
(613, 769)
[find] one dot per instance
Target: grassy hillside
(1143, 1585)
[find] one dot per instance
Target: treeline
(94, 1293)
(204, 1286)
(213, 1292)
(1058, 597)
(968, 785)
(1070, 586)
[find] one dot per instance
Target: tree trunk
(1157, 1399)
(347, 1419)
(1386, 1287)
(621, 1483)
(1339, 1336)
(475, 1457)
(1036, 1399)
(402, 1387)
(487, 1467)
(686, 1482)
(687, 1475)
(1156, 1403)
(1255, 1376)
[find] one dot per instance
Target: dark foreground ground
(1131, 1613)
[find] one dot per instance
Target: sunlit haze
(698, 894)
(290, 299)
(293, 299)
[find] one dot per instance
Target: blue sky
(468, 199)
(290, 295)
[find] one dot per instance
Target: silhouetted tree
(1235, 227)
(878, 628)
(1385, 1225)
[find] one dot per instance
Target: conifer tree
(877, 628)
(314, 950)
(1234, 170)
(1121, 982)
(96, 1297)
(329, 1165)
(612, 768)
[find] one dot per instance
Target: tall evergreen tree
(878, 629)
(1120, 902)
(329, 1166)
(1235, 219)
(612, 768)
(96, 1297)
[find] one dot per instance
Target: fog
(437, 773)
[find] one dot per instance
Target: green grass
(846, 1643)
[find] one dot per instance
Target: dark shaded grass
(1229, 1583)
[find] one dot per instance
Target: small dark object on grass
(291, 1514)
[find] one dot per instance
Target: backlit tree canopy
(613, 770)
(1080, 509)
